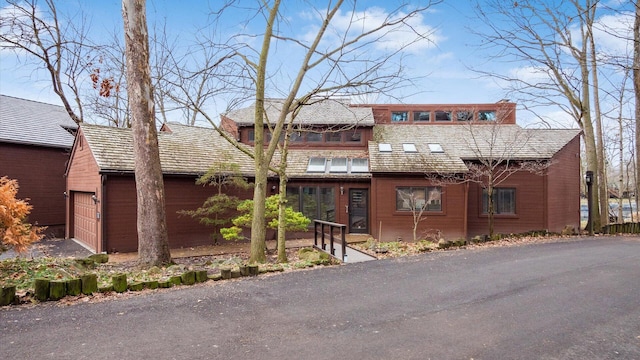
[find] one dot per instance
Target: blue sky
(440, 67)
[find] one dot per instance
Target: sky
(440, 68)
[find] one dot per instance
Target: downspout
(103, 215)
(466, 211)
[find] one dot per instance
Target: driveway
(565, 300)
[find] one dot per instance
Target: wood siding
(564, 188)
(40, 174)
(450, 223)
(83, 176)
(181, 194)
(530, 206)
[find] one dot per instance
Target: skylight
(359, 165)
(338, 165)
(409, 147)
(316, 164)
(384, 147)
(436, 148)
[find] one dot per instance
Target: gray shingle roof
(34, 123)
(461, 142)
(325, 112)
(187, 150)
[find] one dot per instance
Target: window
(355, 136)
(316, 164)
(504, 201)
(296, 137)
(436, 148)
(464, 115)
(313, 202)
(421, 116)
(359, 165)
(409, 148)
(314, 137)
(338, 165)
(443, 115)
(333, 136)
(487, 115)
(384, 147)
(428, 198)
(251, 135)
(399, 116)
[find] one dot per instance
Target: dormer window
(317, 164)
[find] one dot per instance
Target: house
(367, 166)
(35, 140)
(405, 150)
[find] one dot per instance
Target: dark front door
(359, 211)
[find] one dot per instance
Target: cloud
(413, 34)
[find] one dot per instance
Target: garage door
(84, 220)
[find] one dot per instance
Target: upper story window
(435, 148)
(399, 116)
(251, 135)
(314, 137)
(296, 137)
(355, 136)
(464, 115)
(333, 136)
(422, 116)
(487, 115)
(442, 115)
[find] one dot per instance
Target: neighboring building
(35, 140)
(347, 164)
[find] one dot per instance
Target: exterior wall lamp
(94, 198)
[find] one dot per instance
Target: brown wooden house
(35, 140)
(366, 166)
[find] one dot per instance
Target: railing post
(322, 232)
(343, 238)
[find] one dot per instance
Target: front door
(358, 211)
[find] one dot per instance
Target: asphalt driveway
(566, 300)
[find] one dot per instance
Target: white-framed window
(338, 165)
(435, 148)
(317, 164)
(359, 165)
(409, 148)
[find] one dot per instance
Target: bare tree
(539, 35)
(331, 61)
(153, 243)
(636, 88)
(40, 37)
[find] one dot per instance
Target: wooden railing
(320, 229)
(626, 228)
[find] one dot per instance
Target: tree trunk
(602, 189)
(153, 243)
(258, 225)
(282, 224)
(636, 88)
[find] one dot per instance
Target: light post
(589, 180)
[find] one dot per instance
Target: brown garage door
(84, 220)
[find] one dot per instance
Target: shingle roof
(325, 112)
(186, 150)
(461, 142)
(34, 123)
